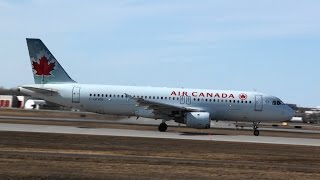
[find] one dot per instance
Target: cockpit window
(277, 102)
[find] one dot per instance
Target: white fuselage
(117, 100)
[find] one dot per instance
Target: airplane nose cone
(290, 113)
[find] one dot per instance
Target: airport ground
(74, 156)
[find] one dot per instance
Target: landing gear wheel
(163, 127)
(256, 132)
(255, 128)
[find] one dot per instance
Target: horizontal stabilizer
(40, 90)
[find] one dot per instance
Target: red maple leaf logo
(44, 67)
(243, 96)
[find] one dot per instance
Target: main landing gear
(163, 127)
(255, 128)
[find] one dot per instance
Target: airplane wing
(163, 108)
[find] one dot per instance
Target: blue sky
(268, 46)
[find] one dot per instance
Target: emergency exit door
(185, 100)
(76, 95)
(258, 103)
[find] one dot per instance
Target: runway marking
(156, 134)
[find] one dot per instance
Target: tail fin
(45, 67)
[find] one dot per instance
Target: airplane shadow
(85, 127)
(200, 134)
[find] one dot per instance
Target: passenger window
(173, 98)
(94, 95)
(90, 94)
(177, 98)
(161, 97)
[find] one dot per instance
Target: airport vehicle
(193, 107)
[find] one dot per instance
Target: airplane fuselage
(118, 100)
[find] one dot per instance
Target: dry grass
(60, 156)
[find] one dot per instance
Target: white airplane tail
(45, 67)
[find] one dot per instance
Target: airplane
(195, 108)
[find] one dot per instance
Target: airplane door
(76, 95)
(182, 100)
(185, 100)
(188, 100)
(258, 103)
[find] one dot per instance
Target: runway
(145, 121)
(156, 134)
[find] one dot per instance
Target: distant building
(7, 101)
(12, 101)
(296, 119)
(26, 102)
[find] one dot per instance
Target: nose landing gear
(255, 128)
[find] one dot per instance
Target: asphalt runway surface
(37, 147)
(145, 121)
(156, 134)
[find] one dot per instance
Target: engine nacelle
(199, 120)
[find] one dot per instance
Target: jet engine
(199, 120)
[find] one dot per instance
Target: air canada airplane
(193, 107)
